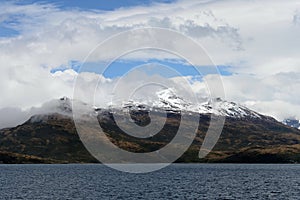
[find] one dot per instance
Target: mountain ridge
(52, 138)
(247, 136)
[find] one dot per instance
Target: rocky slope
(43, 139)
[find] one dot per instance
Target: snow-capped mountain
(295, 123)
(168, 100)
(61, 106)
(246, 136)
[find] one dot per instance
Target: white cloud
(276, 95)
(10, 117)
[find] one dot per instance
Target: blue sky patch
(7, 32)
(165, 68)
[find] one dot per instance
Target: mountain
(247, 136)
(292, 123)
(168, 100)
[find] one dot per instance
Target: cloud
(274, 95)
(10, 117)
(61, 35)
(279, 109)
(245, 39)
(296, 18)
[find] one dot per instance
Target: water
(180, 181)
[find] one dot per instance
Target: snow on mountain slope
(165, 100)
(168, 100)
(292, 122)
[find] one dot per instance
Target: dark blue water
(182, 181)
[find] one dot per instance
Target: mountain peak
(168, 99)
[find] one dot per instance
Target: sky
(97, 4)
(254, 44)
